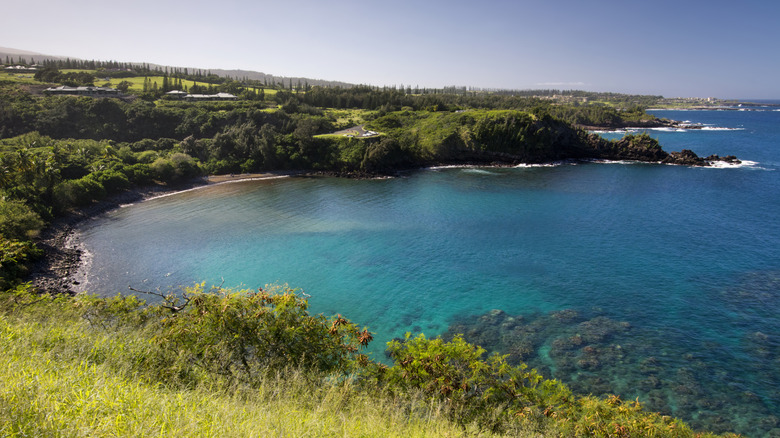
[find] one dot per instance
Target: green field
(22, 78)
(136, 82)
(345, 118)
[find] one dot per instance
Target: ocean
(650, 281)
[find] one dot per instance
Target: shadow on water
(722, 388)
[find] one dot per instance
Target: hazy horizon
(694, 48)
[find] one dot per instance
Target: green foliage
(18, 220)
(111, 180)
(639, 141)
(77, 193)
(488, 392)
(73, 79)
(241, 334)
(14, 255)
(479, 135)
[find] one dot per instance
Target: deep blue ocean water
(672, 273)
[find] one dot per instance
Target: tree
(18, 220)
(124, 86)
(48, 74)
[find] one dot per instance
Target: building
(82, 91)
(177, 94)
(181, 95)
(209, 97)
(21, 69)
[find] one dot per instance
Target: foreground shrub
(489, 392)
(238, 334)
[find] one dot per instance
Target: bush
(18, 220)
(13, 257)
(147, 157)
(184, 166)
(77, 193)
(242, 334)
(163, 169)
(111, 180)
(489, 392)
(140, 173)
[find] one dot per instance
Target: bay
(671, 274)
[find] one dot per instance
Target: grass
(21, 78)
(137, 83)
(346, 118)
(64, 378)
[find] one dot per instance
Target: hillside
(15, 55)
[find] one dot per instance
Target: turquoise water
(669, 273)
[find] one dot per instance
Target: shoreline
(64, 264)
(62, 267)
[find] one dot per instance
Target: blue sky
(715, 48)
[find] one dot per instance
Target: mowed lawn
(137, 83)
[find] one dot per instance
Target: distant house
(21, 69)
(177, 94)
(209, 97)
(82, 91)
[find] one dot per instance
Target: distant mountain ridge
(34, 57)
(14, 54)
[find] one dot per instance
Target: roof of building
(89, 90)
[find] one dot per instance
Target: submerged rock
(601, 356)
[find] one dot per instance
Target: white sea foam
(550, 164)
(720, 128)
(449, 166)
(624, 162)
(666, 129)
(682, 128)
(616, 131)
(727, 165)
(530, 166)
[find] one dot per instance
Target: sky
(689, 48)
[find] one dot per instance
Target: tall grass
(63, 377)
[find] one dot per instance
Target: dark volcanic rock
(731, 159)
(685, 157)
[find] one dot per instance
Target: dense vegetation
(197, 363)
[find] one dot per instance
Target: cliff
(507, 137)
